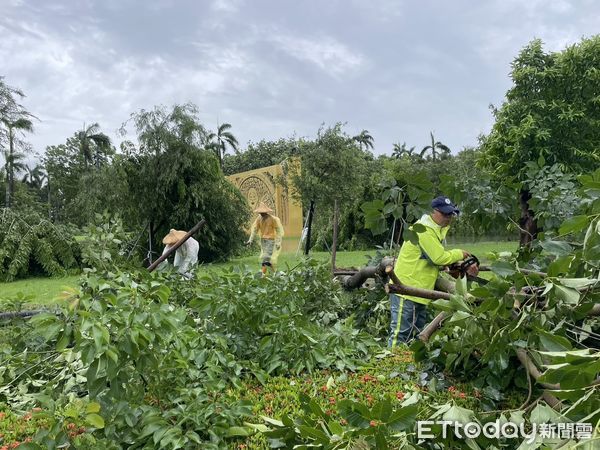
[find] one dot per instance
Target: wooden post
(155, 264)
(311, 211)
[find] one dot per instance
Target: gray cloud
(274, 69)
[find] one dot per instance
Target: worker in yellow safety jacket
(268, 227)
(418, 265)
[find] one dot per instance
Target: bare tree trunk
(527, 223)
(336, 214)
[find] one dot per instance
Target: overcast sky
(277, 68)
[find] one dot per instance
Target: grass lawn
(41, 290)
(360, 257)
(46, 290)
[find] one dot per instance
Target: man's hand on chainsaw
(473, 270)
(469, 266)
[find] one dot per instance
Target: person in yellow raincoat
(268, 227)
(418, 265)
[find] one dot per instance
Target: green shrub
(30, 244)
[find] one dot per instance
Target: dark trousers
(408, 319)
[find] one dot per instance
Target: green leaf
(277, 423)
(95, 420)
(558, 248)
(306, 431)
(553, 343)
(382, 410)
(335, 428)
(443, 305)
(458, 414)
(503, 268)
(238, 431)
(404, 418)
(573, 224)
(560, 265)
(544, 414)
(92, 407)
(258, 427)
(459, 316)
(458, 303)
(569, 295)
(577, 283)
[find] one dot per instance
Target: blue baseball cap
(445, 205)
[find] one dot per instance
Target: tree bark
(357, 279)
(336, 214)
(528, 225)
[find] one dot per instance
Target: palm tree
(101, 145)
(13, 161)
(219, 141)
(9, 96)
(13, 165)
(364, 138)
(35, 177)
(435, 145)
(400, 150)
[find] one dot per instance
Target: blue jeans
(408, 319)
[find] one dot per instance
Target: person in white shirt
(186, 256)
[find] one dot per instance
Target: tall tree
(434, 147)
(9, 100)
(220, 140)
(332, 171)
(550, 116)
(261, 154)
(400, 150)
(94, 146)
(34, 177)
(364, 139)
(14, 126)
(173, 180)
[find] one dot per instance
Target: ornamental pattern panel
(260, 186)
(256, 190)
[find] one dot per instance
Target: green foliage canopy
(551, 113)
(174, 181)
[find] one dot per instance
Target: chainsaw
(460, 269)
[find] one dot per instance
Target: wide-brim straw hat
(263, 209)
(173, 237)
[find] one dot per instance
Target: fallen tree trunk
(416, 292)
(441, 284)
(23, 314)
(534, 372)
(356, 280)
(172, 250)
